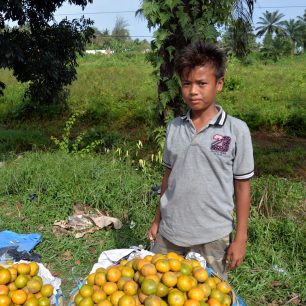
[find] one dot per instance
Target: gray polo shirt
(197, 206)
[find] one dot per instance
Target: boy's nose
(193, 89)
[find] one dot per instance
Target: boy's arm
(155, 225)
(237, 249)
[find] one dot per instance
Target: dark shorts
(214, 252)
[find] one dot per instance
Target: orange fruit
(205, 288)
(162, 265)
(213, 302)
(13, 272)
(176, 298)
(105, 303)
(38, 295)
(86, 291)
(200, 274)
(128, 271)
(91, 279)
(216, 294)
(21, 281)
(195, 263)
(162, 290)
(47, 290)
(184, 283)
(127, 300)
(4, 290)
(172, 255)
(31, 302)
(142, 297)
(216, 279)
(141, 262)
(130, 287)
(186, 269)
(194, 282)
(77, 299)
(37, 278)
(19, 297)
(34, 267)
(153, 300)
(211, 283)
(100, 270)
(154, 277)
(109, 288)
(5, 300)
(148, 269)
(191, 302)
(100, 278)
(156, 257)
(115, 297)
(98, 296)
(148, 286)
(5, 276)
(175, 264)
(224, 287)
(227, 300)
(169, 279)
(113, 274)
(34, 286)
(23, 268)
(136, 276)
(122, 281)
(196, 294)
(148, 257)
(86, 301)
(12, 287)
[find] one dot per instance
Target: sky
(105, 12)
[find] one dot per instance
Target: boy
(208, 161)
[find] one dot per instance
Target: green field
(116, 97)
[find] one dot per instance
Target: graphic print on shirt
(220, 144)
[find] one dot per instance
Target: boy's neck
(202, 117)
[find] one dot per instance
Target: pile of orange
(20, 285)
(156, 280)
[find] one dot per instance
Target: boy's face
(200, 87)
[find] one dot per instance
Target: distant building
(101, 51)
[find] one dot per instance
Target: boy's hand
(235, 254)
(153, 231)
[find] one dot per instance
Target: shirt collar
(219, 119)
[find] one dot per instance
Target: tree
(239, 38)
(292, 29)
(120, 32)
(270, 23)
(40, 50)
(302, 21)
(178, 23)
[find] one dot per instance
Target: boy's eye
(186, 83)
(202, 83)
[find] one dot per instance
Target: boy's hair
(200, 54)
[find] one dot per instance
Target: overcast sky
(104, 13)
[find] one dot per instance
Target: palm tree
(292, 29)
(302, 21)
(270, 23)
(240, 29)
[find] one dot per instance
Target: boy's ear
(220, 83)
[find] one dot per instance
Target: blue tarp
(25, 242)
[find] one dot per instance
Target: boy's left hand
(235, 254)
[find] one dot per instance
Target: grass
(44, 187)
(40, 188)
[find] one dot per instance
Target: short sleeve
(243, 167)
(166, 156)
